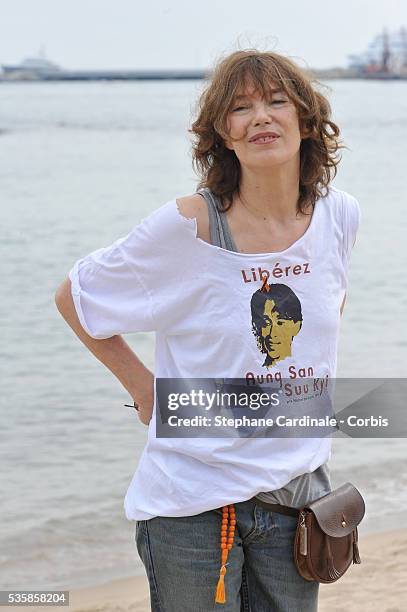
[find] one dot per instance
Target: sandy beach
(379, 584)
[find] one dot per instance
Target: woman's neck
(271, 195)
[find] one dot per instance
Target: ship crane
(386, 54)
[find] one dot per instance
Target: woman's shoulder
(341, 208)
(346, 211)
(174, 222)
(344, 201)
(194, 206)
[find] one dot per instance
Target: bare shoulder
(195, 207)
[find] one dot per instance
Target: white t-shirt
(197, 298)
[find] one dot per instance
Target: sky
(86, 34)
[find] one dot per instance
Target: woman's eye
(272, 102)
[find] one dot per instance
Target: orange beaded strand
(226, 543)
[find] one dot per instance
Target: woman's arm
(114, 353)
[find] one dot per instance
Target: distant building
(386, 54)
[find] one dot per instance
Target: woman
(246, 278)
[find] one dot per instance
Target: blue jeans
(182, 558)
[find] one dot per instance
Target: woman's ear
(305, 131)
(221, 142)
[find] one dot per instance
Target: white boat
(31, 67)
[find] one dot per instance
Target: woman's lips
(265, 140)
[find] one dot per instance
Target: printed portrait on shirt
(276, 320)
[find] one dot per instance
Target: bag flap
(339, 512)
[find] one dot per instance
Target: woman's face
(249, 115)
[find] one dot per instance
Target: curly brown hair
(219, 168)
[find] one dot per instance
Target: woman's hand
(144, 397)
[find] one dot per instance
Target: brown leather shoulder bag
(326, 540)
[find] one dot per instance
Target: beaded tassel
(226, 543)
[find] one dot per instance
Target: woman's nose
(262, 112)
